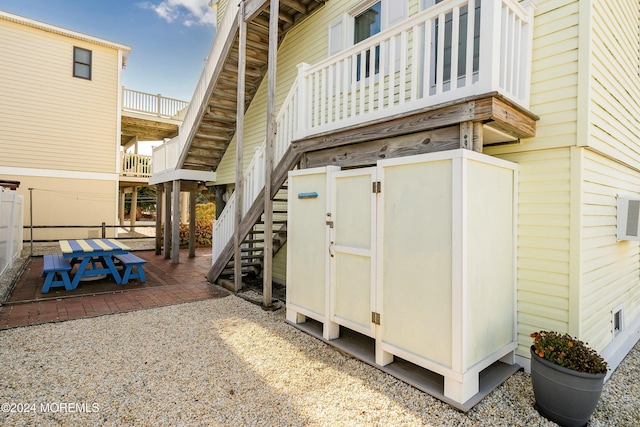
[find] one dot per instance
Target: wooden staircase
(250, 225)
(252, 248)
(210, 122)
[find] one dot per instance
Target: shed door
(353, 242)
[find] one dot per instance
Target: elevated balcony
(438, 57)
(149, 117)
(146, 117)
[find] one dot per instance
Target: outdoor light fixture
(213, 3)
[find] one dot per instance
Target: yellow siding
(610, 269)
(65, 201)
(614, 83)
(222, 8)
(279, 271)
(543, 242)
(52, 120)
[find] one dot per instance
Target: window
(365, 25)
(81, 63)
(462, 38)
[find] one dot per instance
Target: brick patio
(166, 284)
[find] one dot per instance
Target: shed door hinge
(375, 318)
(377, 187)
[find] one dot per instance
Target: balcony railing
(442, 54)
(155, 105)
(135, 165)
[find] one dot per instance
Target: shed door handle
(331, 250)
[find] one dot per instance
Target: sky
(169, 39)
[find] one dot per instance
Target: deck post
(134, 209)
(159, 188)
(242, 61)
(167, 220)
(192, 223)
(268, 156)
(121, 207)
(175, 224)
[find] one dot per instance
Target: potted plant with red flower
(567, 377)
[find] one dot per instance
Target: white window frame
(347, 22)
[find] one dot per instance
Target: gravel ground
(227, 362)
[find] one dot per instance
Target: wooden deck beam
(490, 108)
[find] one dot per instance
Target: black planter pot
(564, 396)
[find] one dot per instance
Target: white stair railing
(253, 178)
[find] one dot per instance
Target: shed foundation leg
(383, 358)
(295, 317)
(330, 330)
(509, 358)
(461, 391)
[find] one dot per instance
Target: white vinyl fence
(11, 224)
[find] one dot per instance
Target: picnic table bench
(129, 261)
(56, 271)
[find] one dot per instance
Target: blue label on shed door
(311, 195)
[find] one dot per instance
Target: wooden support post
(268, 156)
(192, 223)
(242, 62)
(121, 207)
(167, 220)
(478, 143)
(175, 224)
(466, 135)
(159, 194)
(133, 210)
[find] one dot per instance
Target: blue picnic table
(98, 253)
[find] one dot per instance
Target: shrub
(205, 214)
(568, 352)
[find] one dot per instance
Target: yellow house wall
(610, 166)
(67, 201)
(614, 86)
(610, 268)
(222, 8)
(543, 262)
(59, 133)
(50, 119)
(279, 270)
(571, 269)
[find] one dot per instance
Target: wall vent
(617, 320)
(628, 219)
